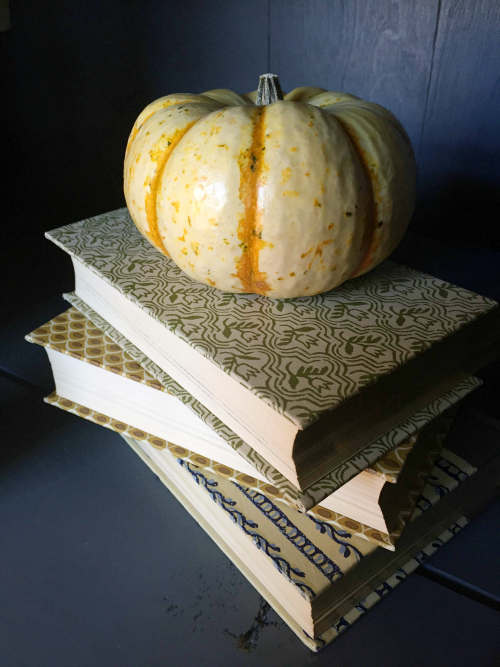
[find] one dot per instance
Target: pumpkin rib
(137, 127)
(380, 112)
(251, 96)
(369, 233)
(158, 105)
(390, 166)
(226, 97)
(304, 94)
(249, 227)
(155, 185)
(384, 114)
(341, 98)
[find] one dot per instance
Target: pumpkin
(284, 196)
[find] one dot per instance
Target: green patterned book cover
(73, 334)
(81, 333)
(300, 356)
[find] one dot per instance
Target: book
(319, 580)
(53, 334)
(94, 373)
(302, 499)
(290, 377)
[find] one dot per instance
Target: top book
(306, 382)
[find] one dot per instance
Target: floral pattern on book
(249, 528)
(313, 495)
(292, 533)
(308, 355)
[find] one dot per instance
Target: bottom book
(320, 579)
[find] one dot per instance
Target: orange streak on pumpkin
(133, 134)
(154, 186)
(371, 239)
(250, 228)
(136, 128)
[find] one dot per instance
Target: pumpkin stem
(269, 90)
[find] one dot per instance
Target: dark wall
(75, 74)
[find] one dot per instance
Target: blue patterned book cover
(311, 555)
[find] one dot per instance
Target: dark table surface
(100, 565)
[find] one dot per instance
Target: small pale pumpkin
(279, 196)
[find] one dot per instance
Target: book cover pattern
(360, 606)
(310, 553)
(389, 466)
(344, 622)
(83, 334)
(312, 557)
(302, 356)
(75, 335)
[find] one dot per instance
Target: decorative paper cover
(359, 610)
(311, 554)
(390, 465)
(91, 339)
(302, 357)
(308, 552)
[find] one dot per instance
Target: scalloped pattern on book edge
(211, 466)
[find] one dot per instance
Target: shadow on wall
(464, 211)
(74, 80)
(458, 197)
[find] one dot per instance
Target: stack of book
(304, 435)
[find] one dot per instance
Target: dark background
(74, 76)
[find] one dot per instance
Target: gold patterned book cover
(78, 337)
(318, 578)
(289, 377)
